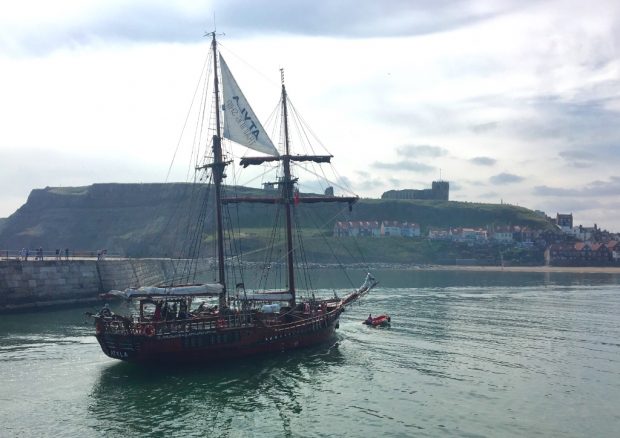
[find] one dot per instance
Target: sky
(510, 101)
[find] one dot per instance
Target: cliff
(154, 220)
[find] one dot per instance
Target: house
(391, 228)
(409, 229)
(614, 247)
(525, 234)
(356, 228)
(370, 228)
(439, 234)
(502, 235)
(475, 235)
(582, 254)
(564, 221)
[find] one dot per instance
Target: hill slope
(154, 219)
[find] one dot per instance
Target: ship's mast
(287, 194)
(218, 176)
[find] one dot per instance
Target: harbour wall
(30, 285)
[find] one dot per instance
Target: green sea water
(468, 354)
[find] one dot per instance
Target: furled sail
(240, 123)
(207, 289)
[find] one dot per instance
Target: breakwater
(40, 284)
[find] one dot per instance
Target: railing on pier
(27, 254)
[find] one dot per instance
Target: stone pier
(37, 284)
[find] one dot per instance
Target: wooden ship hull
(213, 339)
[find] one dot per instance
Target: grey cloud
(554, 191)
(576, 155)
(578, 158)
(489, 195)
(484, 127)
(407, 165)
(505, 178)
(594, 188)
(370, 184)
(421, 151)
(483, 161)
(455, 186)
(162, 21)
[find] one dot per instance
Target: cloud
(489, 195)
(455, 186)
(421, 151)
(484, 127)
(505, 178)
(578, 158)
(412, 166)
(483, 161)
(591, 190)
(77, 23)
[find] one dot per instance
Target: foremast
(218, 167)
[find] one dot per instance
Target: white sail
(240, 123)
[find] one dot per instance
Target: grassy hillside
(156, 219)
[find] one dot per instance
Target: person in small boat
(369, 319)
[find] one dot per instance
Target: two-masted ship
(174, 323)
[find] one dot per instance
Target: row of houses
(482, 235)
(376, 229)
(408, 229)
(581, 253)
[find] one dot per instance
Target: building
(440, 191)
(583, 254)
(390, 228)
(503, 235)
(357, 228)
(564, 221)
(473, 235)
(376, 229)
(403, 229)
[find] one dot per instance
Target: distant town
(571, 246)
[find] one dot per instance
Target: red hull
(214, 345)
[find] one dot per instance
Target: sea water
(467, 354)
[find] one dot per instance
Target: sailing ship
(172, 322)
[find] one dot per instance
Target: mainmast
(218, 175)
(287, 195)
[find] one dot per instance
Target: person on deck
(157, 314)
(183, 310)
(106, 312)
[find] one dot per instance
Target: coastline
(541, 269)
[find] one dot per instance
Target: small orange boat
(379, 321)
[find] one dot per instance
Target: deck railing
(145, 327)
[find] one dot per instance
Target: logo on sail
(242, 116)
